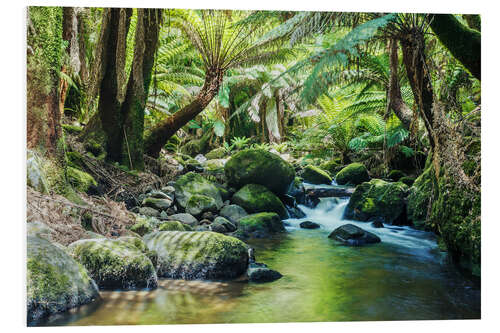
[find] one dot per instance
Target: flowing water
(405, 277)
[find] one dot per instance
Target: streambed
(405, 277)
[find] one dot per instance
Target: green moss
(198, 255)
(46, 281)
(333, 166)
(395, 175)
(377, 199)
(258, 166)
(261, 222)
(407, 180)
(72, 129)
(94, 147)
(174, 226)
(422, 191)
(256, 198)
(193, 183)
(315, 175)
(216, 153)
(142, 227)
(86, 221)
(81, 181)
(354, 174)
(75, 160)
(118, 263)
(198, 204)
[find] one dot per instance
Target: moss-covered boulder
(378, 199)
(423, 189)
(196, 146)
(184, 218)
(199, 204)
(260, 225)
(191, 184)
(116, 263)
(216, 153)
(55, 281)
(222, 225)
(314, 175)
(174, 226)
(81, 181)
(332, 167)
(353, 174)
(256, 198)
(198, 255)
(214, 165)
(258, 166)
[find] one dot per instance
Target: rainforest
(230, 166)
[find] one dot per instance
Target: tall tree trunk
(163, 131)
(44, 61)
(395, 101)
(70, 35)
(463, 43)
(146, 40)
(420, 79)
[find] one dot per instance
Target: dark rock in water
(297, 191)
(350, 234)
(295, 212)
(309, 225)
(55, 281)
(258, 166)
(377, 224)
(261, 273)
(288, 200)
(198, 255)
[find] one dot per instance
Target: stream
(405, 277)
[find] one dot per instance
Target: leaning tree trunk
(463, 43)
(163, 131)
(395, 100)
(146, 40)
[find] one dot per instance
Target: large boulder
(353, 174)
(258, 166)
(260, 225)
(421, 192)
(116, 263)
(378, 199)
(55, 281)
(233, 213)
(198, 255)
(315, 175)
(34, 172)
(350, 234)
(191, 184)
(256, 198)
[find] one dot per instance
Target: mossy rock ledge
(121, 263)
(353, 174)
(314, 175)
(258, 166)
(378, 199)
(198, 255)
(255, 198)
(195, 184)
(55, 281)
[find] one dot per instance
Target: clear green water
(403, 278)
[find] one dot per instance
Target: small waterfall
(329, 214)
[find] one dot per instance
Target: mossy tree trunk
(159, 135)
(146, 40)
(120, 117)
(44, 59)
(463, 43)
